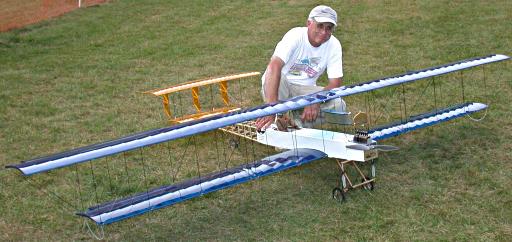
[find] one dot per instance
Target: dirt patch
(18, 13)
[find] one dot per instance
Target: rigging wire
(420, 97)
(94, 182)
(386, 104)
(323, 130)
(109, 177)
(37, 185)
(488, 102)
(404, 102)
(69, 206)
(126, 167)
(367, 108)
(246, 147)
(253, 151)
(401, 112)
(462, 86)
(217, 150)
(181, 158)
(196, 155)
(169, 153)
(144, 173)
(435, 94)
(79, 188)
(231, 153)
(224, 152)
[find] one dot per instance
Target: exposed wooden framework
(194, 86)
(346, 183)
(245, 130)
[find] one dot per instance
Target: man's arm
(271, 89)
(311, 112)
(333, 83)
(272, 79)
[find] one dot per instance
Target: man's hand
(263, 122)
(271, 89)
(310, 113)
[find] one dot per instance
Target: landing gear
(345, 184)
(338, 194)
(368, 186)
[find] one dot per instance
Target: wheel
(370, 186)
(338, 194)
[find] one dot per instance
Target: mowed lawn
(79, 79)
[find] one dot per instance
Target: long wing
(168, 195)
(164, 196)
(425, 120)
(195, 127)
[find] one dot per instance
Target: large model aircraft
(296, 146)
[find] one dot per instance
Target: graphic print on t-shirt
(306, 65)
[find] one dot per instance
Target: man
(299, 59)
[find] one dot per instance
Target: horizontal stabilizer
(156, 136)
(425, 120)
(168, 195)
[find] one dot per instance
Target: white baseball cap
(323, 14)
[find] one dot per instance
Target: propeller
(371, 147)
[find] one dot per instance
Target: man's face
(319, 33)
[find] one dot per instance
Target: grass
(77, 80)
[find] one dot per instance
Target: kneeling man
(299, 59)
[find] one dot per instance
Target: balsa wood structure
(193, 87)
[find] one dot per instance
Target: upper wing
(195, 127)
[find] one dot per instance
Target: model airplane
(302, 145)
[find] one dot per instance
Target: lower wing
(168, 195)
(425, 120)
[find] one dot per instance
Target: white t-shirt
(304, 63)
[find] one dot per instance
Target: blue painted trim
(294, 158)
(376, 137)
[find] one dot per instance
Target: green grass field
(78, 80)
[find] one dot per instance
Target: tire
(338, 194)
(370, 186)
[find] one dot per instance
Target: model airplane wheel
(338, 194)
(370, 186)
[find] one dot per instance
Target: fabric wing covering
(195, 127)
(425, 120)
(168, 195)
